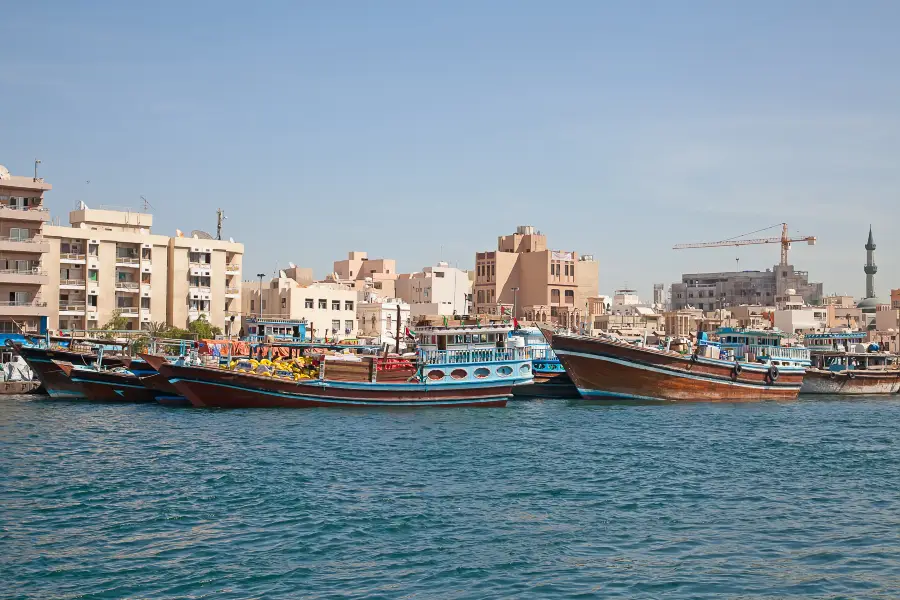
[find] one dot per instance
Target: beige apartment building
(108, 261)
(204, 278)
(366, 274)
(328, 308)
(543, 285)
(23, 268)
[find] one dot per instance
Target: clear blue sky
(619, 129)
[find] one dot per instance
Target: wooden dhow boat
(43, 360)
(612, 369)
(843, 364)
(116, 384)
(465, 365)
(550, 377)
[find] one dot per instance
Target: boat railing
(782, 352)
(445, 357)
(542, 354)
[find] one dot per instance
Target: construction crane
(784, 240)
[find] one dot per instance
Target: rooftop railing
(34, 303)
(34, 271)
(71, 256)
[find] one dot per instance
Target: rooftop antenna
(220, 216)
(37, 161)
(738, 261)
(147, 204)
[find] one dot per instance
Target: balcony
(199, 289)
(128, 311)
(71, 284)
(232, 292)
(232, 269)
(35, 214)
(132, 262)
(26, 308)
(34, 245)
(130, 287)
(72, 258)
(77, 310)
(24, 277)
(200, 270)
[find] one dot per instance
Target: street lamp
(515, 291)
(259, 312)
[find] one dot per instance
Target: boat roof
(853, 335)
(314, 345)
(756, 332)
(461, 329)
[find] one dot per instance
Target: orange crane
(784, 240)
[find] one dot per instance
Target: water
(542, 499)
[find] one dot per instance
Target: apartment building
(23, 270)
(438, 290)
(108, 262)
(204, 278)
(328, 308)
(366, 274)
(542, 285)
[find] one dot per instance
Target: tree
(202, 328)
(117, 322)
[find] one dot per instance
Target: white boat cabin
(463, 337)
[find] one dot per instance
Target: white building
(438, 290)
(378, 319)
(800, 320)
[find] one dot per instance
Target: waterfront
(540, 499)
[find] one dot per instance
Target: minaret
(870, 267)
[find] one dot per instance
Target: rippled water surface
(541, 499)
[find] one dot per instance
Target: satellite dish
(4, 172)
(201, 235)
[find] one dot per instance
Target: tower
(870, 267)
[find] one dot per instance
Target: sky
(421, 131)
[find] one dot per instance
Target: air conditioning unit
(146, 246)
(93, 241)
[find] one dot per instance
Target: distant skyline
(421, 131)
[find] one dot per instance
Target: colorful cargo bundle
(297, 368)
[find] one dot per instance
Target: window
(439, 274)
(493, 270)
(335, 305)
(18, 234)
(264, 305)
(145, 302)
(570, 296)
(335, 325)
(92, 300)
(554, 296)
(480, 296)
(308, 303)
(284, 303)
(323, 304)
(348, 326)
(348, 305)
(252, 305)
(389, 322)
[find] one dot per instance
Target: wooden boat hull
(606, 369)
(55, 382)
(207, 387)
(547, 385)
(851, 383)
(105, 386)
(9, 388)
(163, 391)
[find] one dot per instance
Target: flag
(515, 323)
(445, 320)
(410, 334)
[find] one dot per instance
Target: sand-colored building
(364, 274)
(328, 308)
(108, 261)
(23, 266)
(543, 285)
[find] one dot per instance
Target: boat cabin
(856, 361)
(834, 341)
(463, 337)
(767, 346)
(277, 329)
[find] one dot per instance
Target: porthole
(459, 374)
(481, 372)
(504, 371)
(435, 375)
